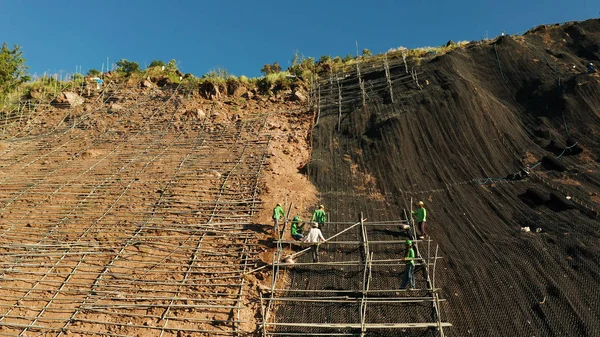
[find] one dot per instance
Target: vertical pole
(318, 104)
(362, 85)
(339, 103)
(312, 91)
(365, 282)
(388, 77)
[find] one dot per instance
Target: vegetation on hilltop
(15, 83)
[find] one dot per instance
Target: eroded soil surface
(134, 217)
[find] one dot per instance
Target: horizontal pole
(358, 325)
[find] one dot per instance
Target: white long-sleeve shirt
(314, 235)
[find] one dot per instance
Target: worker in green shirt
(297, 228)
(421, 214)
(409, 272)
(277, 214)
(319, 216)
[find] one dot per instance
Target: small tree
(324, 59)
(271, 69)
(172, 66)
(128, 67)
(13, 70)
(366, 52)
(93, 72)
(348, 58)
(156, 63)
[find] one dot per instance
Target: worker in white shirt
(315, 237)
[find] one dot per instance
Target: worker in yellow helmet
(421, 214)
(319, 216)
(278, 213)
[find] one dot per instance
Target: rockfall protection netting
(453, 137)
(139, 227)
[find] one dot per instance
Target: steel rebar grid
(75, 286)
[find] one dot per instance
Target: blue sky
(241, 36)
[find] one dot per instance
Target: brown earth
(141, 215)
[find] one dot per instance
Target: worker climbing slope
(278, 213)
(409, 272)
(315, 237)
(421, 214)
(319, 216)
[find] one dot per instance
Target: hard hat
(408, 242)
(278, 204)
(591, 64)
(296, 218)
(315, 224)
(321, 206)
(421, 203)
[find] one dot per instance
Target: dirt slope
(136, 215)
(450, 138)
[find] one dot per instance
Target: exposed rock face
(210, 91)
(240, 91)
(197, 113)
(68, 99)
(164, 82)
(299, 96)
(147, 84)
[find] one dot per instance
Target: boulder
(561, 200)
(68, 99)
(115, 108)
(240, 91)
(147, 84)
(536, 196)
(210, 91)
(164, 82)
(573, 145)
(197, 114)
(551, 163)
(299, 96)
(248, 95)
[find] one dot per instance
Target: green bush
(94, 72)
(128, 67)
(157, 63)
(268, 69)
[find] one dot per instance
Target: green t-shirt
(278, 212)
(410, 254)
(319, 216)
(297, 228)
(421, 214)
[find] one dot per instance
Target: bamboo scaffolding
(363, 297)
